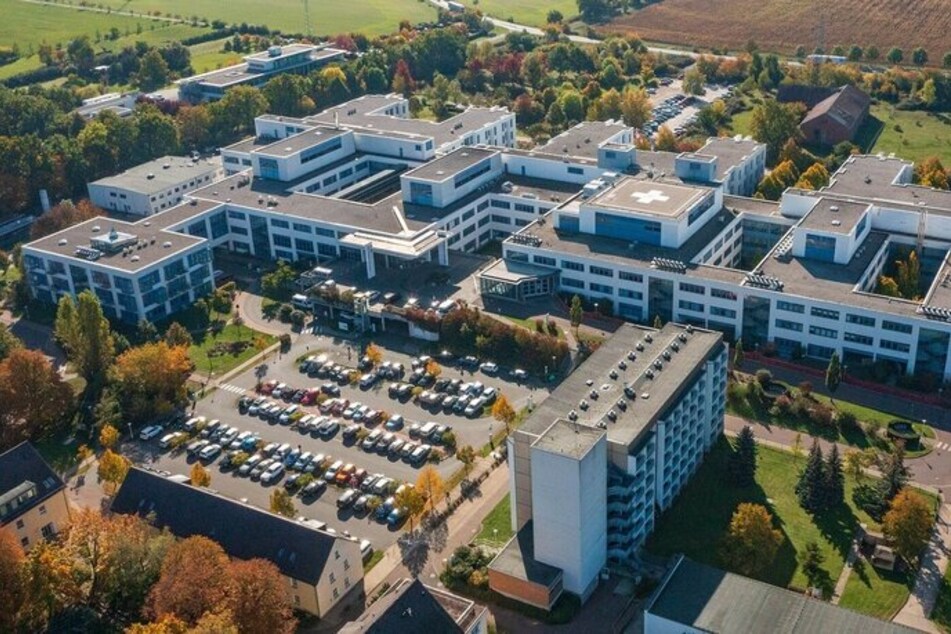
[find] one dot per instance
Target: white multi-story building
(601, 457)
(154, 186)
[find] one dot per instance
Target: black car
(441, 385)
(469, 362)
(330, 389)
(391, 297)
(244, 404)
(313, 489)
(446, 357)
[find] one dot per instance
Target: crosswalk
(942, 446)
(227, 387)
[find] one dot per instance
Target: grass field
(372, 17)
(209, 56)
(782, 25)
(220, 364)
(497, 525)
(876, 592)
(941, 614)
(530, 12)
(911, 135)
(698, 519)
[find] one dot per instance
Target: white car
(150, 432)
(209, 452)
(272, 473)
(489, 368)
(169, 439)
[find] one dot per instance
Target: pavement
(934, 563)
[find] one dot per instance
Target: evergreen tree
(809, 488)
(738, 355)
(833, 374)
(812, 559)
(742, 464)
(834, 488)
(894, 475)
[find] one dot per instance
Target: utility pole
(310, 30)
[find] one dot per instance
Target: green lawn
(700, 516)
(530, 12)
(742, 122)
(221, 364)
(209, 56)
(529, 324)
(371, 17)
(911, 135)
(876, 592)
(941, 614)
(498, 519)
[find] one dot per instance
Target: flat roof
(517, 560)
(940, 294)
(730, 151)
(241, 72)
(654, 198)
(286, 50)
(695, 345)
(874, 177)
(583, 139)
(568, 439)
(834, 216)
(152, 245)
(711, 600)
(295, 143)
(514, 272)
(159, 174)
(445, 167)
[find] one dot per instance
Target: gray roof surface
(165, 172)
(655, 198)
(517, 560)
(583, 139)
(408, 608)
(730, 151)
(244, 531)
(154, 243)
(568, 438)
(20, 465)
(834, 216)
(295, 143)
(719, 602)
(445, 167)
(641, 413)
(240, 72)
(874, 177)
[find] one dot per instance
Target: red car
(340, 405)
(310, 396)
(268, 386)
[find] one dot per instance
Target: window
(601, 288)
(330, 233)
(346, 566)
(820, 352)
(483, 221)
(722, 294)
(572, 282)
(281, 224)
(468, 214)
(302, 228)
(575, 170)
(824, 313)
(470, 174)
(25, 542)
(319, 150)
(524, 208)
(572, 266)
(693, 288)
(828, 333)
(851, 337)
(691, 306)
(894, 345)
(304, 245)
(723, 312)
(237, 215)
(625, 292)
(336, 592)
(482, 205)
(894, 326)
(502, 220)
(20, 524)
(48, 531)
(790, 307)
(630, 277)
(521, 223)
(859, 320)
(42, 509)
(789, 325)
(600, 270)
(281, 241)
(501, 204)
(545, 260)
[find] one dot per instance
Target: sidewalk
(934, 563)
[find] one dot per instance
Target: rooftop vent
(134, 258)
(167, 245)
(96, 228)
(150, 176)
(63, 242)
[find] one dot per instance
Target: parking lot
(222, 404)
(677, 110)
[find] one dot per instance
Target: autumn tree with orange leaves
(195, 579)
(150, 379)
(33, 397)
(261, 604)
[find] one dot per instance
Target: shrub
(822, 415)
(539, 325)
(764, 377)
(782, 405)
(285, 342)
(735, 393)
(284, 312)
(847, 420)
(873, 428)
(805, 388)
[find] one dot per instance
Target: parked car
(420, 454)
(489, 368)
(250, 464)
(474, 408)
(210, 428)
(350, 433)
(261, 467)
(302, 461)
(370, 441)
(170, 439)
(331, 473)
(384, 442)
(395, 422)
(328, 428)
(285, 417)
(273, 473)
(349, 497)
(209, 452)
(382, 485)
(195, 446)
(313, 489)
(396, 517)
(150, 432)
(395, 447)
(343, 474)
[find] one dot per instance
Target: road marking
(231, 388)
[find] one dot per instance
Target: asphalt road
(222, 404)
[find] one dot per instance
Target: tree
(595, 10)
(693, 81)
(894, 474)
(834, 480)
(282, 503)
(194, 125)
(811, 562)
(833, 375)
(887, 286)
(84, 332)
(919, 56)
(287, 95)
(234, 114)
(855, 462)
(81, 54)
(576, 312)
(554, 17)
(277, 283)
(814, 178)
(908, 524)
(146, 332)
(33, 397)
(195, 579)
(931, 172)
(261, 604)
(774, 123)
(8, 342)
(150, 379)
(157, 134)
(153, 71)
(751, 541)
(108, 436)
(909, 275)
(413, 501)
(178, 335)
(503, 411)
(895, 56)
(946, 60)
(433, 368)
(13, 580)
(738, 355)
(113, 468)
(636, 107)
(200, 477)
(430, 485)
(374, 354)
(809, 488)
(666, 140)
(467, 456)
(742, 462)
(63, 215)
(403, 81)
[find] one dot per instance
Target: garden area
(811, 545)
(767, 401)
(221, 350)
(497, 525)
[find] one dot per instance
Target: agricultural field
(372, 17)
(782, 25)
(530, 12)
(208, 56)
(912, 135)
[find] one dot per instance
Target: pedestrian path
(227, 387)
